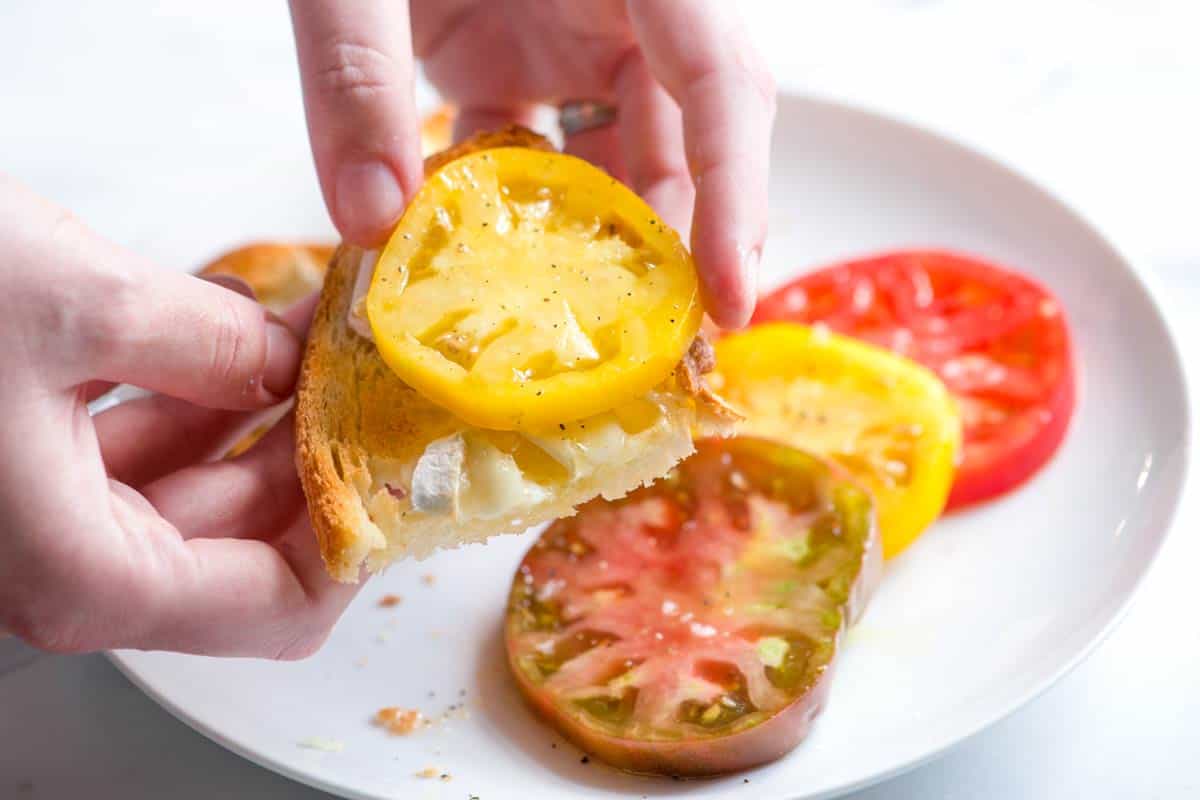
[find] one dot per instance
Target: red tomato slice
(998, 339)
(690, 628)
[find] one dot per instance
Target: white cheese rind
(437, 480)
(356, 318)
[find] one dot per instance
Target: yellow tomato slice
(523, 289)
(888, 420)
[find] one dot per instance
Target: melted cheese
(468, 475)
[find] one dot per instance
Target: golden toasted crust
(280, 273)
(342, 371)
(327, 381)
(512, 136)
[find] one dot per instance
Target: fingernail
(282, 366)
(231, 282)
(367, 198)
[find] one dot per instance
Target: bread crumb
(360, 662)
(429, 772)
(322, 744)
(390, 601)
(399, 721)
(428, 579)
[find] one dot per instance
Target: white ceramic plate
(982, 614)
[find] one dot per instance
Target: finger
(228, 596)
(259, 491)
(356, 69)
(602, 147)
(193, 339)
(706, 62)
(651, 137)
(147, 437)
(474, 119)
(94, 389)
(144, 439)
(299, 315)
(104, 314)
(282, 597)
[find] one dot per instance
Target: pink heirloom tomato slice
(690, 628)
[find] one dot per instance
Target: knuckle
(303, 644)
(356, 70)
(229, 355)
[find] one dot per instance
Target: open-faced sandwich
(527, 340)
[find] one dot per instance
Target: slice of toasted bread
(365, 439)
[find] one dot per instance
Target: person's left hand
(120, 529)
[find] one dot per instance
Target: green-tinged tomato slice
(690, 627)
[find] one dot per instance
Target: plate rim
(1147, 280)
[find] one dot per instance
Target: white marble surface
(144, 117)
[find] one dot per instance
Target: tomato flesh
(998, 339)
(690, 628)
(887, 420)
(524, 289)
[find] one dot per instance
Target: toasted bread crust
(336, 364)
(280, 273)
(329, 500)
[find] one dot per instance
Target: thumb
(356, 69)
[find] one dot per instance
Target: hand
(695, 105)
(118, 530)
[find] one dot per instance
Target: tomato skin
(946, 310)
(676, 539)
(981, 478)
(523, 289)
(694, 758)
(857, 404)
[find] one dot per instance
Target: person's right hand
(695, 105)
(119, 530)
